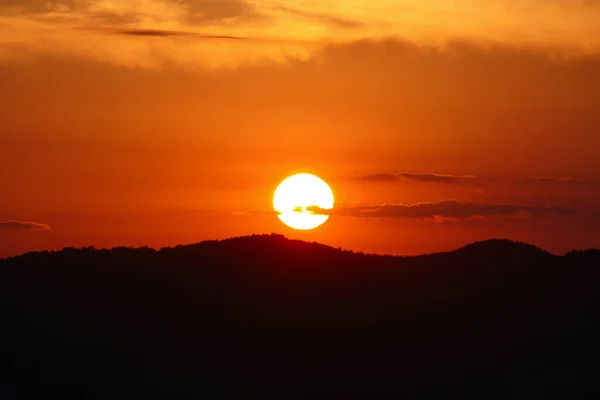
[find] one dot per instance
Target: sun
(296, 194)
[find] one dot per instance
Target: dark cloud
(200, 11)
(565, 179)
(10, 225)
(588, 180)
(214, 11)
(448, 209)
(112, 18)
(377, 178)
(326, 19)
(152, 33)
(160, 33)
(476, 180)
(39, 6)
(166, 33)
(438, 178)
(442, 178)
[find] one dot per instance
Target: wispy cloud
(440, 178)
(13, 225)
(47, 27)
(564, 179)
(166, 33)
(447, 209)
(320, 18)
(158, 33)
(474, 179)
(382, 177)
(419, 177)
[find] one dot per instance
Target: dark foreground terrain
(264, 314)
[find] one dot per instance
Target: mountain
(268, 315)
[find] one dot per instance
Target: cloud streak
(427, 177)
(19, 225)
(320, 18)
(158, 33)
(447, 209)
(166, 33)
(473, 179)
(439, 178)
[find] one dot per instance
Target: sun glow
(296, 195)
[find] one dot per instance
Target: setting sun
(296, 194)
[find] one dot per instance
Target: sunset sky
(435, 122)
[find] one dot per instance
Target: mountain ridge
(265, 314)
(488, 245)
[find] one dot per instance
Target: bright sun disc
(296, 194)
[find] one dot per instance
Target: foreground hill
(266, 314)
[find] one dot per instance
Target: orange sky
(167, 122)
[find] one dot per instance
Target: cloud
(198, 11)
(476, 180)
(377, 178)
(323, 18)
(12, 225)
(428, 177)
(441, 178)
(166, 33)
(37, 6)
(50, 27)
(447, 209)
(564, 180)
(211, 11)
(159, 33)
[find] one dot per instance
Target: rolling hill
(268, 315)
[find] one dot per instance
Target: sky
(436, 122)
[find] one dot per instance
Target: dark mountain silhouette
(265, 314)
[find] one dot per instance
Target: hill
(264, 314)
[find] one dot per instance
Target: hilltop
(264, 314)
